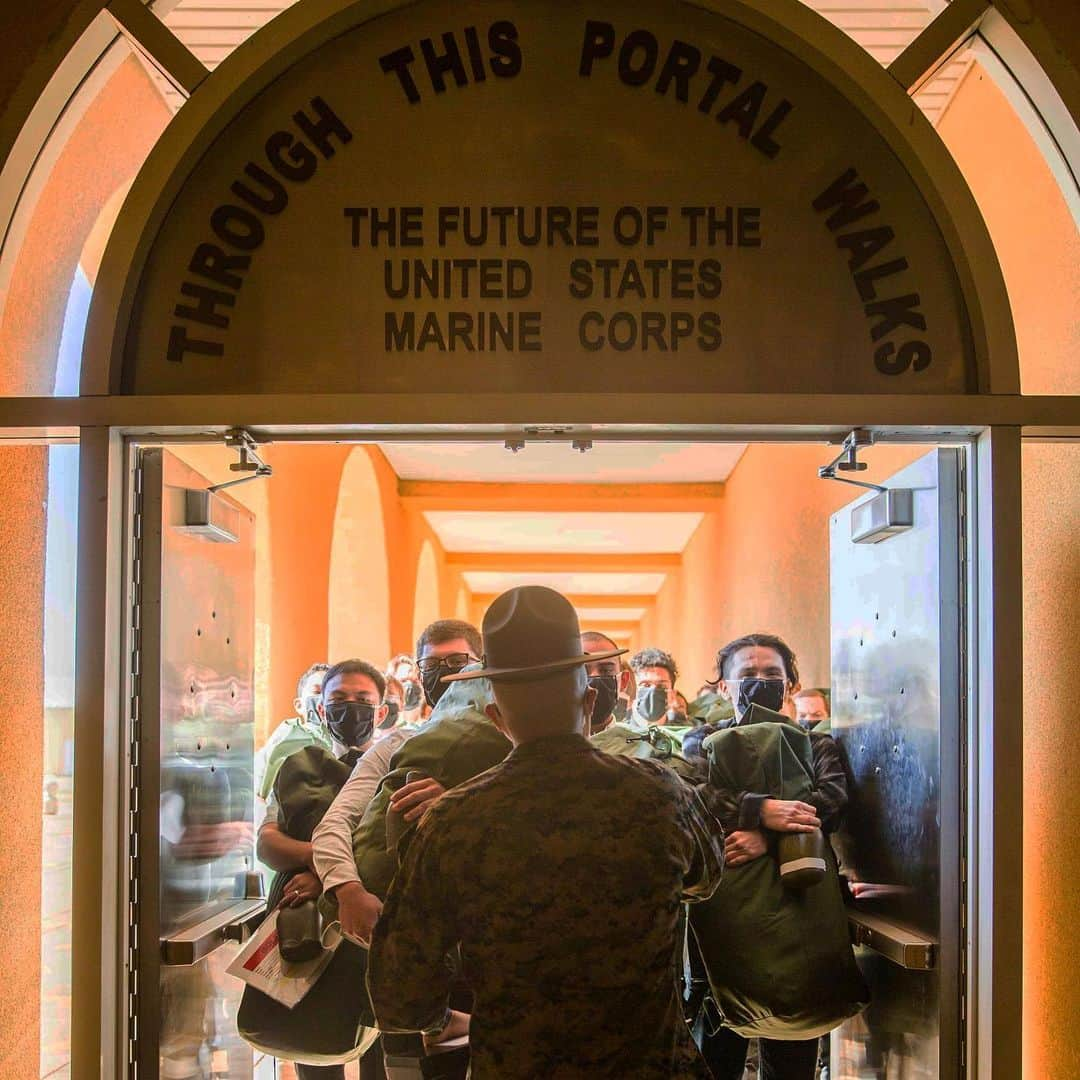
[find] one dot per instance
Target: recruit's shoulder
(461, 805)
(645, 774)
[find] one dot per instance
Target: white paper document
(259, 964)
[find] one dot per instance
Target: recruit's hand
(301, 887)
(455, 1029)
(784, 815)
(358, 910)
(413, 799)
(744, 846)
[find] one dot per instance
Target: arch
(358, 606)
(463, 605)
(426, 607)
(105, 151)
(973, 307)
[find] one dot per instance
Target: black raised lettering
(272, 201)
(398, 62)
(431, 334)
(459, 325)
(653, 325)
(290, 157)
(864, 279)
(502, 40)
(709, 337)
(722, 72)
(865, 244)
(894, 312)
(476, 58)
(680, 66)
(645, 42)
(743, 108)
(180, 343)
(682, 326)
(581, 283)
(892, 361)
(599, 44)
(238, 227)
(530, 325)
(448, 62)
(207, 301)
(323, 127)
(591, 344)
(211, 262)
(709, 281)
(762, 139)
(399, 336)
(846, 193)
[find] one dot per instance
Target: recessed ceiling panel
(589, 533)
(493, 582)
(605, 615)
(555, 463)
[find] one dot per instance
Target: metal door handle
(902, 946)
(232, 923)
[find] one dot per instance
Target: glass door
(193, 886)
(897, 629)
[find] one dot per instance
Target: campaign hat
(530, 631)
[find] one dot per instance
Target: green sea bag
(779, 961)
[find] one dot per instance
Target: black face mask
(413, 695)
(768, 693)
(434, 687)
(607, 694)
(392, 711)
(350, 722)
(651, 703)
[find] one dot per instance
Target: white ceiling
(579, 533)
(211, 29)
(493, 582)
(555, 463)
(603, 615)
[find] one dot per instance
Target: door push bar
(235, 922)
(908, 948)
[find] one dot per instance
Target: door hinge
(134, 772)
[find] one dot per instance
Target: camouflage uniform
(513, 866)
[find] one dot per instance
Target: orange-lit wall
(1035, 236)
(1039, 248)
(23, 473)
(105, 151)
(296, 512)
(1051, 672)
(761, 562)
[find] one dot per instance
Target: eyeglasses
(456, 660)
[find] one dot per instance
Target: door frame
(994, 802)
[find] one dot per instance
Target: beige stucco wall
(1051, 675)
(23, 474)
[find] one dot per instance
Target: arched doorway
(359, 598)
(426, 606)
(422, 559)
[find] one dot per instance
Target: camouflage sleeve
(706, 836)
(409, 967)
